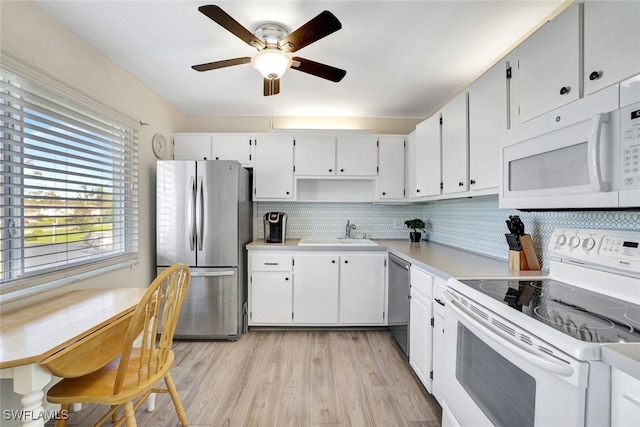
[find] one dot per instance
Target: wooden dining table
(66, 336)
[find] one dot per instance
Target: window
(68, 194)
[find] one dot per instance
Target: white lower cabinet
(315, 291)
(625, 399)
(438, 338)
(321, 288)
(420, 329)
(363, 289)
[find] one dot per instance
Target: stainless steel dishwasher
(399, 302)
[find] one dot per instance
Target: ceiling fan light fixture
(271, 63)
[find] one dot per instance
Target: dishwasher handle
(399, 262)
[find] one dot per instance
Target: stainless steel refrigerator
(204, 219)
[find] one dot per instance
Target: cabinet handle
(460, 184)
(439, 302)
(564, 90)
(473, 181)
(270, 263)
(417, 190)
(595, 75)
(217, 158)
(286, 278)
(330, 170)
(346, 261)
(333, 261)
(341, 170)
(384, 194)
(287, 192)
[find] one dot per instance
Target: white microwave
(584, 155)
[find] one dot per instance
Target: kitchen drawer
(422, 282)
(271, 262)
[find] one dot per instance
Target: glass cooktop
(582, 314)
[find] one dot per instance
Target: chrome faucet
(348, 228)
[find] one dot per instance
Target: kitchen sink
(336, 242)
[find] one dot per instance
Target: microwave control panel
(630, 147)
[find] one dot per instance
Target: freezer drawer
(212, 308)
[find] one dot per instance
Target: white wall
(31, 36)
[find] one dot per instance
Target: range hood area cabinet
(552, 69)
(330, 155)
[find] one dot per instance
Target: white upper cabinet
(549, 59)
(192, 147)
(315, 155)
(455, 145)
(273, 171)
(232, 147)
(391, 174)
(357, 155)
(426, 169)
(487, 126)
(611, 42)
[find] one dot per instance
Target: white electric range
(527, 352)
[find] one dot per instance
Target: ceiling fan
(275, 44)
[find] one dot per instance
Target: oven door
(496, 375)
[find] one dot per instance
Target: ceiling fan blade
(317, 69)
(222, 18)
(320, 26)
(271, 87)
(221, 64)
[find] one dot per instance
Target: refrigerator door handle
(212, 273)
(190, 216)
(199, 214)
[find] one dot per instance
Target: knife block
(526, 259)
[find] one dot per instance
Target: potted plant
(415, 224)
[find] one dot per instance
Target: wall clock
(160, 146)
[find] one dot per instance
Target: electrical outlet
(398, 223)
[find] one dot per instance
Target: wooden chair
(133, 376)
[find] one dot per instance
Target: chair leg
(114, 416)
(64, 414)
(173, 392)
(130, 415)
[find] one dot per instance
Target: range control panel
(618, 249)
(630, 125)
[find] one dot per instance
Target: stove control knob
(561, 239)
(574, 242)
(588, 243)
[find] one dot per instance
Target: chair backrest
(161, 303)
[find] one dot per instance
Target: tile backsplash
(475, 224)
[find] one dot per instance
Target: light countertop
(624, 356)
(441, 260)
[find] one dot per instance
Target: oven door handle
(527, 353)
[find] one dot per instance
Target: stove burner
(628, 317)
(499, 288)
(597, 301)
(574, 322)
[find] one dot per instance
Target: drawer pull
(271, 263)
(439, 301)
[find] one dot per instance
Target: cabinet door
(315, 291)
(391, 174)
(271, 297)
(438, 339)
(427, 161)
(625, 399)
(549, 74)
(315, 155)
(487, 126)
(232, 147)
(362, 289)
(357, 155)
(455, 145)
(192, 147)
(611, 42)
(420, 338)
(273, 171)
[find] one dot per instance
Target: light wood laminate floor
(291, 378)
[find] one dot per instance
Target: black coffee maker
(275, 227)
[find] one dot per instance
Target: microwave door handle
(522, 350)
(594, 157)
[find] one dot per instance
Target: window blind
(69, 192)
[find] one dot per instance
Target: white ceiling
(403, 58)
